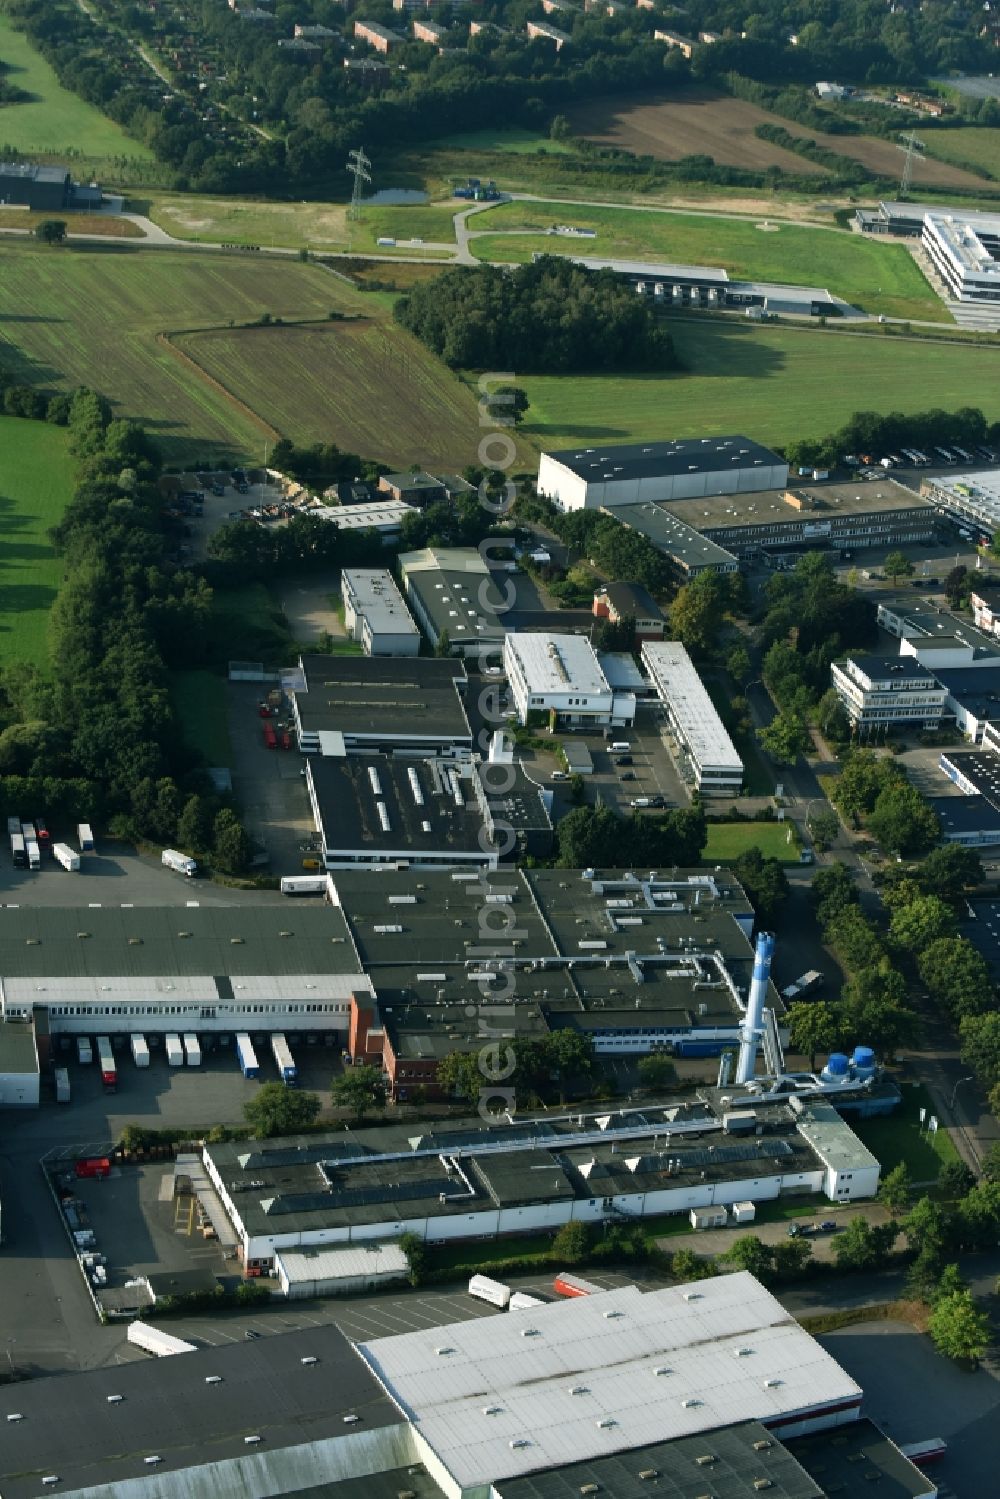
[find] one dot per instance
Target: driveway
(719, 1240)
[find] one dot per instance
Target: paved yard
(308, 608)
(268, 783)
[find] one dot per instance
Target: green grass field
(968, 147)
(508, 142)
(877, 277)
(366, 384)
(36, 482)
(312, 226)
(248, 625)
(96, 315)
(199, 701)
(727, 840)
(899, 1137)
(55, 120)
(775, 383)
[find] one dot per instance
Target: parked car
(622, 759)
(829, 1226)
(627, 775)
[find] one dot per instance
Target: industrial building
(670, 284)
(625, 474)
(373, 810)
(23, 184)
(707, 754)
(880, 691)
(375, 613)
(411, 706)
(19, 1064)
(707, 1388)
(972, 819)
(452, 593)
(560, 676)
(146, 969)
(383, 516)
(468, 1179)
(687, 550)
(309, 1273)
(964, 249)
(514, 808)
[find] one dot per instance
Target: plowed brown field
(703, 123)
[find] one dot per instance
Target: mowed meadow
(36, 483)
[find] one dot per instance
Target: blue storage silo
(836, 1069)
(863, 1064)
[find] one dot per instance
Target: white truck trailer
(140, 1051)
(180, 863)
(66, 856)
(175, 1051)
(62, 1085)
(152, 1340)
(84, 1051)
(493, 1291)
(192, 1049)
(85, 837)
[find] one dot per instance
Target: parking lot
(201, 521)
(115, 875)
(650, 771)
(268, 783)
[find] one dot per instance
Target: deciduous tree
(277, 1110)
(360, 1089)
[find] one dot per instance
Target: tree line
(95, 737)
(877, 433)
(548, 317)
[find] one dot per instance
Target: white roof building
(493, 1398)
(561, 674)
(375, 613)
(702, 739)
(384, 516)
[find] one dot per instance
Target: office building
(880, 691)
(593, 478)
(561, 677)
(704, 749)
(375, 613)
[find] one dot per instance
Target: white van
(559, 775)
(620, 746)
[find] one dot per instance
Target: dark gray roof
(413, 1479)
(895, 668)
(349, 814)
(634, 599)
(520, 806)
(976, 688)
(740, 1455)
(151, 942)
(27, 171)
(965, 814)
(858, 1458)
(17, 1047)
(69, 1429)
(384, 695)
(980, 769)
(647, 460)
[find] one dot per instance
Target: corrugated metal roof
(585, 1383)
(341, 1264)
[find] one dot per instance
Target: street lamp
(969, 1079)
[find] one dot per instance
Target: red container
(93, 1166)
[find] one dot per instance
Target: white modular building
(561, 675)
(375, 613)
(308, 1273)
(706, 750)
(627, 474)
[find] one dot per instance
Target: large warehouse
(44, 189)
(393, 705)
(625, 474)
(709, 1388)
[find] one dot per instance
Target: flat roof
(556, 664)
(740, 1456)
(965, 814)
(376, 515)
(832, 1138)
(186, 942)
(427, 807)
(601, 1373)
(893, 668)
(519, 804)
(818, 503)
(974, 688)
(980, 768)
(169, 1411)
(388, 697)
(426, 1030)
(978, 491)
(858, 1452)
(674, 536)
(374, 594)
(621, 672)
(17, 1047)
(650, 460)
(680, 686)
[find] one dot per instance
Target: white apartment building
(561, 675)
(878, 691)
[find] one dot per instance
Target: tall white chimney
(753, 1020)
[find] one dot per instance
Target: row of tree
(96, 737)
(877, 433)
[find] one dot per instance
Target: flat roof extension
(384, 696)
(648, 460)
